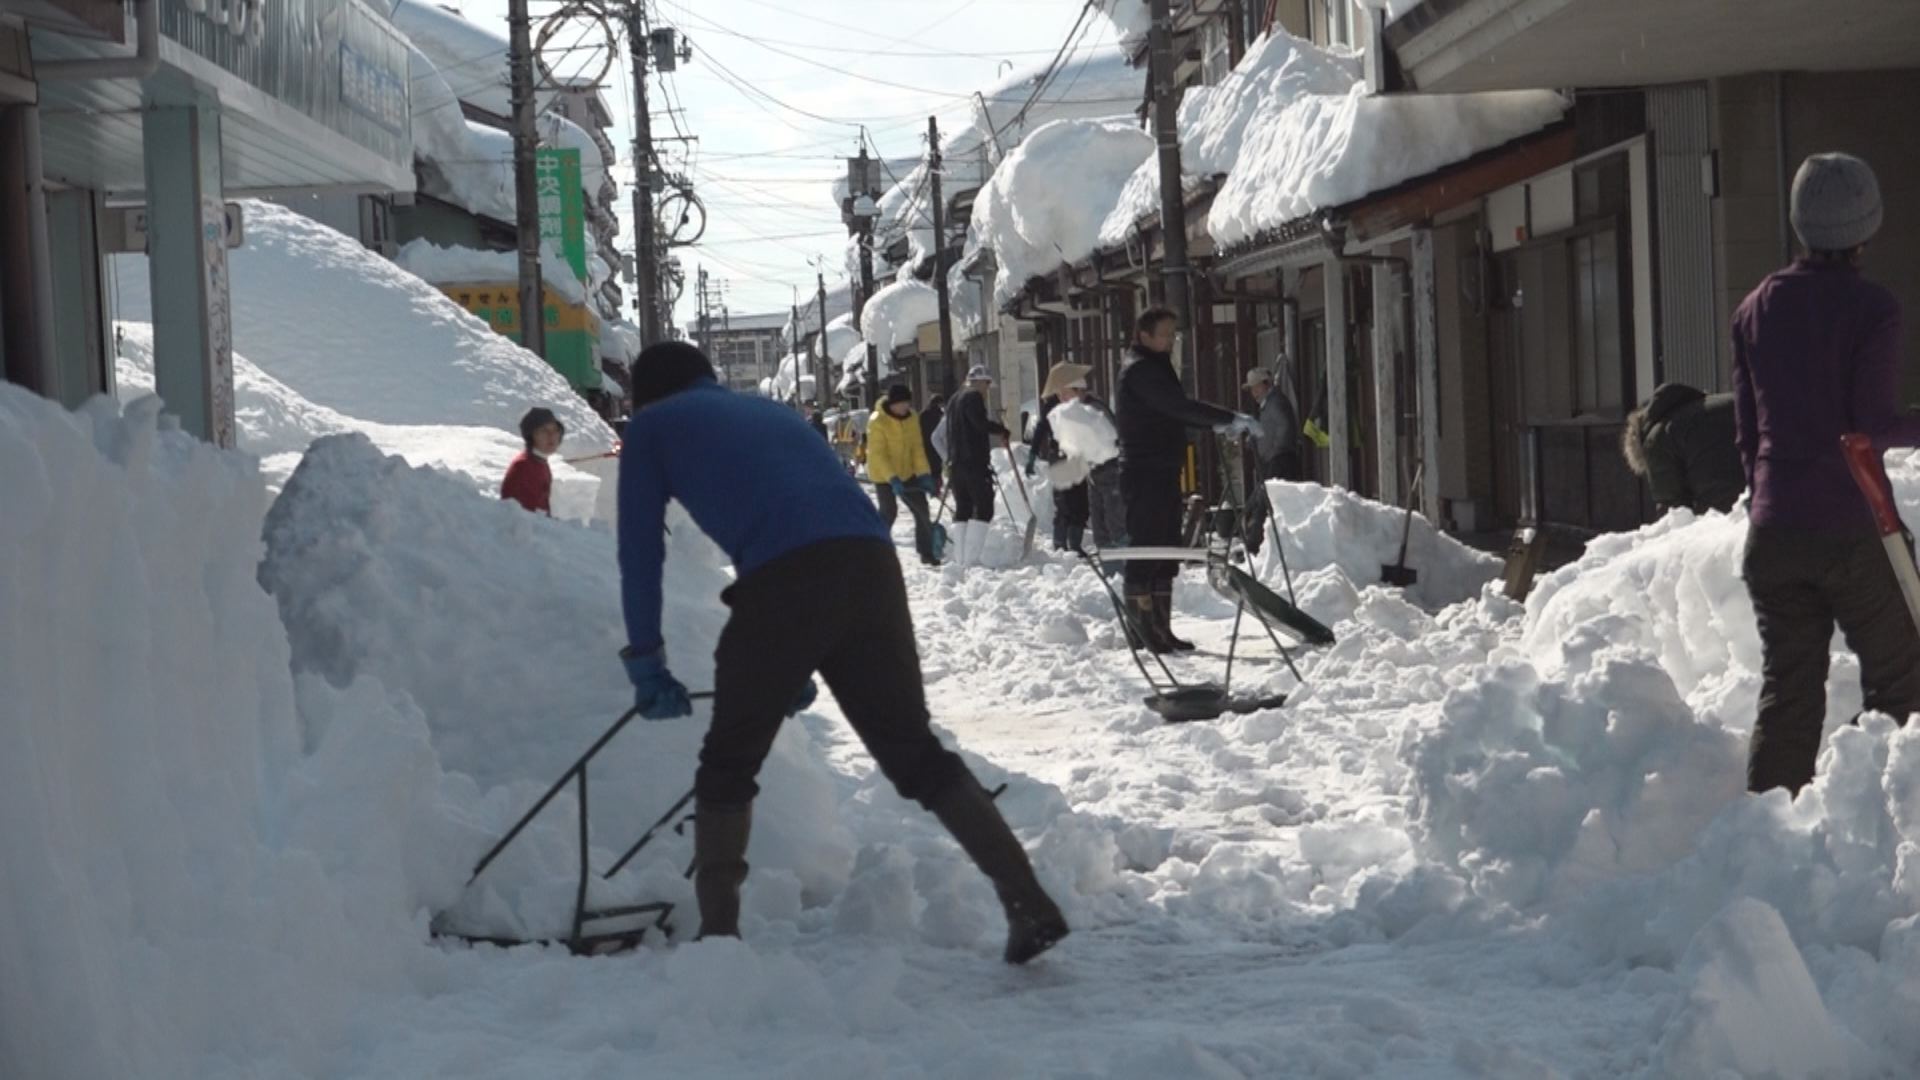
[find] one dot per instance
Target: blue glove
(926, 484)
(656, 693)
(809, 694)
(899, 487)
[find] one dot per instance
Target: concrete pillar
(1426, 354)
(26, 298)
(83, 354)
(1339, 457)
(187, 262)
(1386, 380)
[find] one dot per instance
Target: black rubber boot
(720, 865)
(1163, 620)
(1143, 624)
(1034, 922)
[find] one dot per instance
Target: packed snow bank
(895, 314)
(197, 875)
(350, 331)
(1047, 200)
(455, 265)
(504, 628)
(1324, 527)
(277, 424)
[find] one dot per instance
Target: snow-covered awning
(896, 313)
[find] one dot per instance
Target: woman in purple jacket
(1816, 354)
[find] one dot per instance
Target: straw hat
(1064, 375)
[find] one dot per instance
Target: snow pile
(1294, 140)
(1131, 19)
(1089, 85)
(895, 314)
(1323, 527)
(456, 265)
(277, 424)
(350, 331)
(1084, 432)
(199, 875)
(1047, 201)
(503, 628)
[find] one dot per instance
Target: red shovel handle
(1871, 474)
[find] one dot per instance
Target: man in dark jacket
(1816, 354)
(970, 434)
(818, 589)
(1682, 441)
(1277, 444)
(1153, 415)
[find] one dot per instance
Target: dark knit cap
(898, 393)
(665, 369)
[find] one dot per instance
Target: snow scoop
(1871, 474)
(580, 941)
(940, 537)
(1033, 519)
(1399, 575)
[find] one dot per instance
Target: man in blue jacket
(1816, 354)
(818, 590)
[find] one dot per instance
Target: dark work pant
(1259, 507)
(1070, 510)
(1106, 507)
(1152, 492)
(838, 608)
(1803, 584)
(972, 494)
(917, 506)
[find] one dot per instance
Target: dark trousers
(1107, 507)
(972, 493)
(1152, 493)
(1070, 509)
(917, 506)
(1259, 507)
(838, 608)
(1803, 584)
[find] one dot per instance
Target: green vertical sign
(574, 350)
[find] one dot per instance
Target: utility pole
(795, 344)
(866, 291)
(526, 192)
(646, 263)
(940, 249)
(822, 387)
(705, 318)
(1173, 203)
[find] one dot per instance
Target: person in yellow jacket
(897, 465)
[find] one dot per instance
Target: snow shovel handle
(1868, 472)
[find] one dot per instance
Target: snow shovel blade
(1399, 577)
(1268, 606)
(1186, 704)
(1870, 473)
(939, 542)
(1026, 543)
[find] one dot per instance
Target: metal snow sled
(1236, 585)
(584, 939)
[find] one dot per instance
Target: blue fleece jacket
(749, 471)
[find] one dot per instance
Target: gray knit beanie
(1836, 202)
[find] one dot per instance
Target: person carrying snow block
(970, 431)
(1153, 415)
(1816, 354)
(1682, 442)
(818, 590)
(529, 479)
(897, 465)
(1066, 474)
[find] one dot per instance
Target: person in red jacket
(529, 479)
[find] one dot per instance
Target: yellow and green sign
(573, 346)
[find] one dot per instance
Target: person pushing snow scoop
(803, 538)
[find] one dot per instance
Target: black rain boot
(1143, 624)
(1034, 922)
(1163, 619)
(720, 865)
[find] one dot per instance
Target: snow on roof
(1046, 203)
(1131, 19)
(1100, 84)
(471, 58)
(1295, 131)
(842, 337)
(839, 302)
(896, 313)
(457, 265)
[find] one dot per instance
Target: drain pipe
(143, 63)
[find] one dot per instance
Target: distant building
(745, 348)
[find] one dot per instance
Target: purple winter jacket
(1816, 354)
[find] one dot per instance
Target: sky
(761, 166)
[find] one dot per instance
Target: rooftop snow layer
(468, 266)
(895, 314)
(471, 58)
(352, 332)
(1046, 203)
